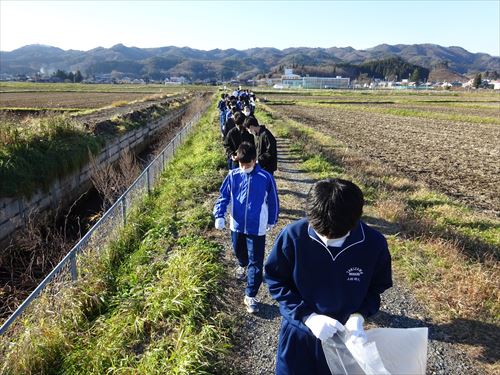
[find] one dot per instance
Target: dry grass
(390, 209)
(31, 254)
(111, 180)
(119, 103)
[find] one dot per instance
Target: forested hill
(217, 64)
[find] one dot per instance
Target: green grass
(82, 87)
(31, 157)
(147, 305)
(449, 215)
(413, 95)
(404, 112)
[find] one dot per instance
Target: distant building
(290, 80)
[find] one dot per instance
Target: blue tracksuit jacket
(253, 198)
(306, 276)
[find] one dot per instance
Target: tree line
(393, 68)
(68, 76)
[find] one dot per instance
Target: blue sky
(83, 25)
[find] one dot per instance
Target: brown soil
(65, 99)
(457, 158)
(443, 108)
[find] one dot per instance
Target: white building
(290, 80)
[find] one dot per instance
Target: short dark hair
(334, 206)
(239, 118)
(251, 121)
(246, 152)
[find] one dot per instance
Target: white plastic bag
(403, 350)
(339, 359)
(367, 356)
(387, 351)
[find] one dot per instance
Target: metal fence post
(74, 271)
(148, 178)
(124, 210)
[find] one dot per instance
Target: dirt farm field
(458, 158)
(61, 96)
(83, 100)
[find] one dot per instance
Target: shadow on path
(385, 227)
(299, 180)
(291, 192)
(268, 311)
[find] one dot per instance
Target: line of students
(326, 270)
(249, 189)
(239, 124)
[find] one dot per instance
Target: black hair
(246, 152)
(251, 121)
(239, 118)
(334, 206)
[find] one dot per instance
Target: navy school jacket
(306, 276)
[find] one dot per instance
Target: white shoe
(251, 304)
(240, 273)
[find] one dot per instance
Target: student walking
(222, 107)
(327, 272)
(234, 138)
(265, 143)
(252, 195)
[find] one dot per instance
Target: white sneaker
(251, 304)
(240, 273)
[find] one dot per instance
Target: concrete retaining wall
(15, 211)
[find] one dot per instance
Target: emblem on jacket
(354, 274)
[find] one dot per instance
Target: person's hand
(234, 157)
(269, 227)
(354, 326)
(322, 326)
(219, 223)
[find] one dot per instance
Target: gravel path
(256, 336)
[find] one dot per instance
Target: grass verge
(34, 155)
(147, 304)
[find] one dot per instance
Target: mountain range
(217, 64)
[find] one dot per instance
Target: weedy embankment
(147, 303)
(36, 151)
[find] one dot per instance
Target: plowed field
(460, 159)
(84, 100)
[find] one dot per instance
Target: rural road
(256, 336)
